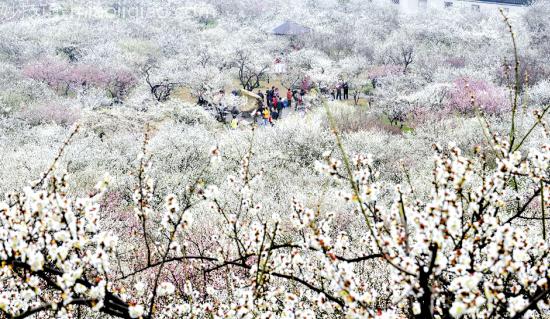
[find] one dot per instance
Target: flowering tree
(251, 68)
(538, 24)
(378, 72)
(50, 113)
(449, 256)
(160, 88)
(354, 72)
(468, 94)
(540, 93)
(306, 63)
(399, 50)
(65, 77)
(207, 82)
(119, 83)
(397, 107)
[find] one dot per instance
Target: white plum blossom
(136, 311)
(166, 289)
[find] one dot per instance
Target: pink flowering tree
(470, 94)
(66, 77)
(50, 112)
(119, 83)
(54, 73)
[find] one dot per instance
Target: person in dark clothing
(261, 95)
(300, 98)
(346, 91)
(269, 97)
(339, 92)
(280, 106)
(289, 98)
(201, 101)
(295, 97)
(260, 105)
(235, 111)
(275, 115)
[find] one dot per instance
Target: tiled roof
(291, 28)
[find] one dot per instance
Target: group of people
(272, 104)
(337, 90)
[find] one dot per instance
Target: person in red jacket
(275, 100)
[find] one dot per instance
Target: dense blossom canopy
(408, 178)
